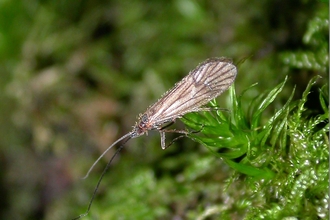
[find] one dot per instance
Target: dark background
(76, 74)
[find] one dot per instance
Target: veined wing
(207, 81)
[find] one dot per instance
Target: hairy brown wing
(207, 81)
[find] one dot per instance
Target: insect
(207, 81)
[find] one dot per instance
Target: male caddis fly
(201, 85)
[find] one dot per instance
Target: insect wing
(203, 84)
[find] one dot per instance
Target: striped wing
(206, 82)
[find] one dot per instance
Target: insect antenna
(102, 175)
(98, 159)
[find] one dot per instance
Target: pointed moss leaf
(324, 98)
(279, 117)
(250, 170)
(238, 117)
(303, 100)
(265, 103)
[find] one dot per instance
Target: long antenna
(102, 175)
(98, 159)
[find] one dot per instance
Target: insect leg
(184, 132)
(162, 139)
(166, 126)
(162, 136)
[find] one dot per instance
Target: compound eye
(144, 119)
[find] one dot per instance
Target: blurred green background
(76, 74)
